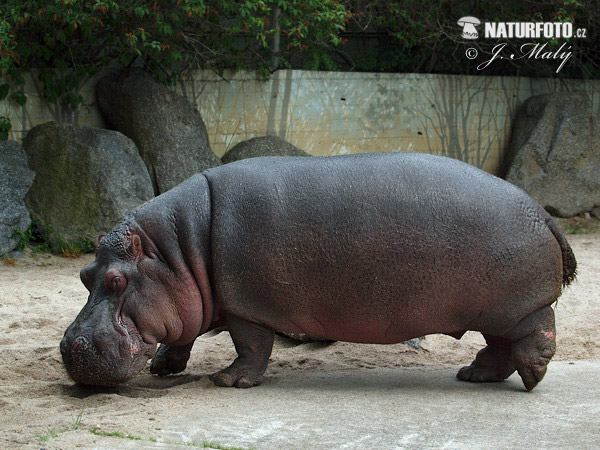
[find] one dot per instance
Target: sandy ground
(42, 408)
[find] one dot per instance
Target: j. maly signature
(530, 51)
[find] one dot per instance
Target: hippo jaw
(100, 349)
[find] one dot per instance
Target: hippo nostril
(79, 342)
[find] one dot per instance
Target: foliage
(74, 249)
(5, 126)
(33, 237)
(67, 41)
(77, 422)
(25, 238)
(42, 239)
(52, 433)
(119, 434)
(579, 224)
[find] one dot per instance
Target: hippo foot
(238, 375)
(532, 353)
(168, 360)
(527, 348)
(254, 343)
(478, 374)
(493, 363)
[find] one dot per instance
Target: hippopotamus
(366, 248)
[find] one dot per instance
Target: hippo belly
(377, 248)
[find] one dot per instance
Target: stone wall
(332, 113)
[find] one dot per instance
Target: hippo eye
(115, 281)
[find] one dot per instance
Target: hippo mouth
(103, 357)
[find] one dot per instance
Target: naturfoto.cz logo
(521, 30)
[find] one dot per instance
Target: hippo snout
(85, 364)
(101, 364)
(101, 356)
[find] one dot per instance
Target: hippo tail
(568, 257)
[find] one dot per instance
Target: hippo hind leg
(169, 360)
(253, 343)
(534, 344)
(492, 363)
(527, 348)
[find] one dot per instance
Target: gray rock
(554, 155)
(262, 146)
(168, 131)
(15, 180)
(304, 338)
(415, 342)
(87, 180)
(595, 212)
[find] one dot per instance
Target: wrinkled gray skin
(374, 248)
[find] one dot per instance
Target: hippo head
(134, 303)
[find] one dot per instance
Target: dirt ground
(41, 408)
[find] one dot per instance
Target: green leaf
(61, 64)
(166, 29)
(141, 11)
(74, 100)
(19, 98)
(5, 126)
(60, 36)
(4, 88)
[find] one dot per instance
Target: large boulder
(15, 180)
(87, 179)
(554, 154)
(262, 146)
(167, 129)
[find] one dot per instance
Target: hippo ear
(100, 237)
(135, 246)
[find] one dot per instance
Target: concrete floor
(410, 408)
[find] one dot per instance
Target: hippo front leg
(169, 360)
(253, 343)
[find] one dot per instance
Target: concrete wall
(332, 113)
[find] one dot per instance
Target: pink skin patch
(134, 350)
(75, 345)
(548, 334)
